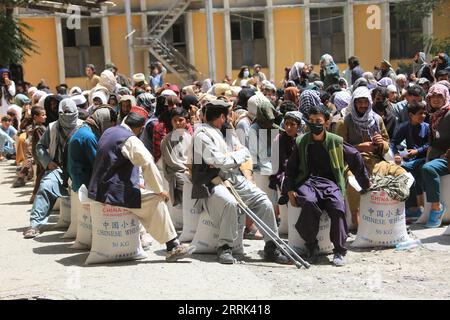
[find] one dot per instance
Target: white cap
(42, 100)
(101, 95)
(270, 86)
(168, 92)
(32, 90)
(79, 99)
(391, 88)
(75, 91)
(139, 77)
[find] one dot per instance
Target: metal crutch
(285, 248)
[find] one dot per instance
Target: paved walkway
(46, 267)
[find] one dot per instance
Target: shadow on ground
(17, 203)
(441, 239)
(21, 230)
(80, 259)
(64, 248)
(57, 237)
(23, 193)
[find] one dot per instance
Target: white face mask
(246, 74)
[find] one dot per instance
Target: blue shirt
(11, 131)
(81, 155)
(417, 137)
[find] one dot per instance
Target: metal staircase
(164, 51)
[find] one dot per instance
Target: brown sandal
(31, 233)
(253, 234)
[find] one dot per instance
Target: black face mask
(380, 106)
(316, 128)
(224, 128)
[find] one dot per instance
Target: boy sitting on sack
(315, 182)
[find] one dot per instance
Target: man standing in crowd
(92, 79)
(121, 79)
(7, 90)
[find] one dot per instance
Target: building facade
(273, 33)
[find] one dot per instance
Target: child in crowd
(7, 134)
(416, 132)
(39, 118)
(174, 153)
(286, 143)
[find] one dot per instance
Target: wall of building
(118, 44)
(44, 64)
(201, 45)
(367, 42)
(288, 34)
(289, 39)
(441, 21)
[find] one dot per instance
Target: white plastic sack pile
(284, 223)
(191, 215)
(348, 217)
(262, 182)
(382, 221)
(176, 214)
(84, 228)
(296, 241)
(75, 209)
(207, 235)
(115, 235)
(64, 213)
(445, 198)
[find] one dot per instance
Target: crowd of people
(132, 142)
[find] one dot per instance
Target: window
(83, 46)
(95, 36)
(248, 39)
(69, 39)
(327, 33)
(235, 30)
(405, 35)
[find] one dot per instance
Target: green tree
(16, 44)
(413, 11)
(416, 9)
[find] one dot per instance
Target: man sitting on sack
(115, 181)
(51, 151)
(365, 130)
(213, 162)
(315, 181)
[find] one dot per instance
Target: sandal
(253, 234)
(31, 233)
(179, 252)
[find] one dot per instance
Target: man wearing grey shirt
(213, 158)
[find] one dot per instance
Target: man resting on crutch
(212, 158)
(315, 181)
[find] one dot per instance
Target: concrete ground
(47, 268)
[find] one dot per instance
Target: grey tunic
(221, 205)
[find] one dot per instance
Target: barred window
(327, 33)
